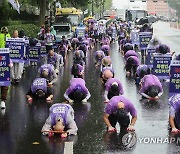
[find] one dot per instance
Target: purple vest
(99, 52)
(59, 110)
(52, 60)
(105, 48)
(86, 42)
(122, 34)
(150, 80)
(47, 67)
(105, 40)
(130, 53)
(75, 40)
(110, 82)
(140, 68)
(39, 83)
(136, 60)
(174, 101)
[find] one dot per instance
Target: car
(63, 29)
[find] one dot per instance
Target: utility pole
(103, 8)
(92, 7)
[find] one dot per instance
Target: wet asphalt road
(21, 125)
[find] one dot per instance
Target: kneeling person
(113, 88)
(60, 120)
(117, 110)
(77, 91)
(151, 87)
(174, 113)
(39, 90)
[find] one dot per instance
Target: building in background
(159, 8)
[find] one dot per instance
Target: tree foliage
(175, 4)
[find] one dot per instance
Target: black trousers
(124, 123)
(79, 99)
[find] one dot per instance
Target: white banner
(15, 5)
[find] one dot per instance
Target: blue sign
(149, 58)
(135, 37)
(144, 39)
(16, 48)
(80, 31)
(161, 65)
(34, 53)
(43, 49)
(174, 85)
(4, 67)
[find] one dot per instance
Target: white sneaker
(2, 105)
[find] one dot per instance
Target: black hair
(21, 34)
(33, 41)
(78, 94)
(40, 93)
(144, 72)
(163, 49)
(127, 47)
(121, 113)
(114, 89)
(75, 70)
(153, 91)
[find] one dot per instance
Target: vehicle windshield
(62, 28)
(133, 14)
(73, 19)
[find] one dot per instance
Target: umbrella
(152, 19)
(109, 21)
(142, 21)
(91, 21)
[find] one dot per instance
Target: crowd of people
(117, 107)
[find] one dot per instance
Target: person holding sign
(17, 69)
(151, 87)
(77, 91)
(49, 38)
(60, 120)
(154, 43)
(163, 49)
(39, 90)
(174, 113)
(47, 71)
(117, 110)
(5, 64)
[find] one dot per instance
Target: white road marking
(68, 148)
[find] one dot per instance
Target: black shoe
(17, 81)
(13, 81)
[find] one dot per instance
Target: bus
(132, 15)
(69, 15)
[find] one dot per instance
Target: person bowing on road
(174, 113)
(77, 91)
(60, 120)
(117, 110)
